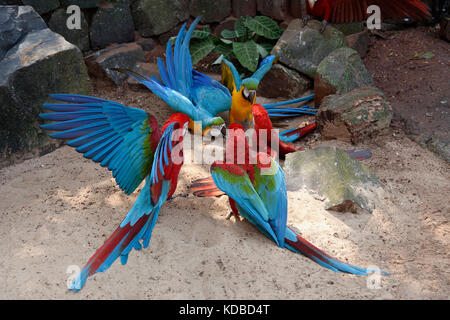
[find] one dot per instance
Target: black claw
(324, 26)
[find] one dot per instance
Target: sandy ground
(55, 211)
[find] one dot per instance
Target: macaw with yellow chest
(185, 89)
(243, 91)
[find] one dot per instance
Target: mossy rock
(155, 17)
(303, 48)
(40, 63)
(346, 183)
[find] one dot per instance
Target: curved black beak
(223, 131)
(251, 96)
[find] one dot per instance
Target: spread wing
(346, 11)
(263, 68)
(230, 76)
(234, 181)
(120, 138)
(182, 88)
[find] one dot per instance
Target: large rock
(277, 9)
(15, 22)
(83, 4)
(112, 25)
(283, 82)
(351, 117)
(124, 56)
(349, 28)
(444, 32)
(244, 8)
(359, 42)
(10, 2)
(155, 17)
(211, 11)
(340, 72)
(42, 6)
(303, 48)
(146, 69)
(78, 37)
(39, 63)
(345, 183)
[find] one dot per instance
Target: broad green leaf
(239, 28)
(200, 48)
(247, 54)
(262, 51)
(266, 27)
(219, 60)
(228, 34)
(224, 49)
(226, 41)
(201, 34)
(267, 46)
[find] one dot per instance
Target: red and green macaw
(346, 11)
(129, 143)
(257, 192)
(262, 124)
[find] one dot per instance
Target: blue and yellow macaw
(243, 92)
(184, 89)
(129, 143)
(258, 193)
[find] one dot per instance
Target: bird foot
(232, 214)
(306, 19)
(324, 26)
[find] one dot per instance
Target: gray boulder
(41, 62)
(244, 8)
(42, 6)
(155, 17)
(277, 9)
(113, 24)
(124, 56)
(345, 183)
(349, 28)
(283, 82)
(303, 48)
(146, 69)
(15, 22)
(78, 37)
(359, 42)
(146, 44)
(211, 11)
(340, 72)
(83, 4)
(354, 116)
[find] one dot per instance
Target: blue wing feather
(245, 196)
(263, 68)
(106, 132)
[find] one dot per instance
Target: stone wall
(104, 22)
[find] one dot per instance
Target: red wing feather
(346, 11)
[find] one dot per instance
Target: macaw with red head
(129, 143)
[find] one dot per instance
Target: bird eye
(245, 93)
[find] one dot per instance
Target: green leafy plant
(252, 38)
